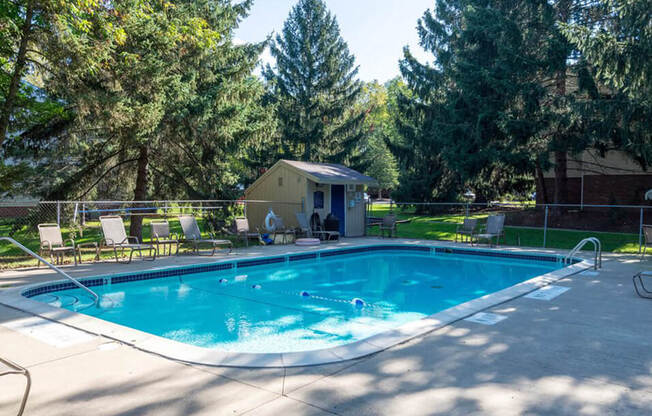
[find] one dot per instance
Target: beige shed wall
(289, 196)
(355, 216)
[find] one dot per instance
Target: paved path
(588, 351)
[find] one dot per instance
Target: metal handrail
(597, 251)
(19, 370)
(53, 267)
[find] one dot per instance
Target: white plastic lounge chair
(389, 225)
(466, 230)
(161, 236)
(494, 229)
(52, 243)
(115, 236)
(192, 235)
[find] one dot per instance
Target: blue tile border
(185, 270)
(258, 262)
(499, 254)
(298, 257)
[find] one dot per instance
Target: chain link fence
(80, 219)
(619, 227)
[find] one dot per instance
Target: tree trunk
(542, 192)
(136, 228)
(561, 156)
(561, 174)
(561, 178)
(19, 67)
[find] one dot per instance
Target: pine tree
(174, 97)
(314, 87)
(378, 161)
(508, 94)
(615, 47)
(464, 121)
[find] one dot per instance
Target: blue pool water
(303, 305)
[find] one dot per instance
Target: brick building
(592, 179)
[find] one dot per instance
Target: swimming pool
(302, 303)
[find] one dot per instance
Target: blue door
(337, 204)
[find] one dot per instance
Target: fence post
(467, 210)
(59, 213)
(83, 215)
(545, 227)
(640, 233)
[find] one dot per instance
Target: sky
(375, 30)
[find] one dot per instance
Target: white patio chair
(115, 237)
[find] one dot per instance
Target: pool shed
(311, 187)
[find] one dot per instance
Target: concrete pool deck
(588, 351)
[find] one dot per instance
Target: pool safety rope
(357, 302)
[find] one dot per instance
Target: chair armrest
(89, 244)
(47, 244)
(72, 242)
(107, 242)
(132, 238)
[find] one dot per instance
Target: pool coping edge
(188, 353)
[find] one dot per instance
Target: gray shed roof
(331, 173)
(326, 173)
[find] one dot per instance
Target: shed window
(318, 197)
(280, 181)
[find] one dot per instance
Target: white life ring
(270, 221)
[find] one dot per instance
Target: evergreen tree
(27, 111)
(506, 94)
(615, 47)
(174, 96)
(379, 128)
(314, 87)
(464, 120)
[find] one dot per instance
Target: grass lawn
(429, 227)
(12, 257)
(443, 226)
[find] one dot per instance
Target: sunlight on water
(300, 306)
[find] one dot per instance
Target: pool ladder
(96, 298)
(597, 252)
